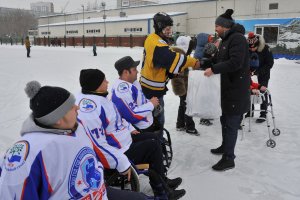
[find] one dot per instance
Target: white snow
(261, 173)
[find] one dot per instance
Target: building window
(133, 30)
(259, 30)
(273, 6)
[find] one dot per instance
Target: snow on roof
(112, 19)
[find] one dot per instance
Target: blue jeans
(230, 125)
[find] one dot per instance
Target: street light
(82, 18)
(103, 4)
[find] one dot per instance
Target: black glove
(206, 63)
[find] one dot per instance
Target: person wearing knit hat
(265, 61)
(109, 130)
(253, 40)
(55, 148)
(232, 62)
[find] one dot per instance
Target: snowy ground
(261, 173)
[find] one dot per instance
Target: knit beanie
(183, 42)
(253, 40)
(225, 20)
(48, 104)
(91, 79)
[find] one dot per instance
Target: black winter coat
(266, 62)
(233, 65)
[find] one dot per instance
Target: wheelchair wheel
(271, 143)
(113, 178)
(276, 132)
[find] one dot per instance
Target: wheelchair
(114, 178)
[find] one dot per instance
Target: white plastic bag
(203, 95)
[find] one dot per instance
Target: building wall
(201, 14)
(141, 27)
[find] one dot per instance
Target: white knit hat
(183, 42)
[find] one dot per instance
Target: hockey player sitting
(54, 159)
(104, 122)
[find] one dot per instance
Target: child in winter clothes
(185, 45)
(265, 57)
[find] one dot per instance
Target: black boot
(176, 194)
(217, 151)
(224, 164)
(261, 119)
(173, 183)
(159, 191)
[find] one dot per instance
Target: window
(258, 30)
(271, 34)
(273, 6)
(133, 30)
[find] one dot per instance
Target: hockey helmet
(161, 20)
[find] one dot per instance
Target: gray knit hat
(225, 20)
(48, 104)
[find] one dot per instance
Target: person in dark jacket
(232, 62)
(185, 45)
(27, 45)
(266, 61)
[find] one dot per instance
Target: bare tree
(16, 23)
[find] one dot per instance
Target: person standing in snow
(232, 62)
(27, 45)
(266, 61)
(160, 61)
(184, 45)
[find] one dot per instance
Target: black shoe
(173, 183)
(193, 132)
(217, 151)
(205, 122)
(248, 114)
(176, 194)
(224, 164)
(181, 128)
(261, 119)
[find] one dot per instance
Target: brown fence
(113, 41)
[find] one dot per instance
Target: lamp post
(82, 19)
(83, 42)
(48, 32)
(103, 4)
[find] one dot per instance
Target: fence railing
(114, 41)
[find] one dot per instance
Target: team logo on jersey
(123, 87)
(85, 179)
(87, 105)
(16, 156)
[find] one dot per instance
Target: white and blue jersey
(132, 104)
(51, 164)
(106, 128)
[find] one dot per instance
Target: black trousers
(147, 151)
(28, 51)
(230, 125)
(184, 120)
(264, 105)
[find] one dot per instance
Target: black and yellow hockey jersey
(160, 61)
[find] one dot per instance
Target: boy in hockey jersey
(54, 158)
(104, 122)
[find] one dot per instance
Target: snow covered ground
(261, 173)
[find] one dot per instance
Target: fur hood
(261, 44)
